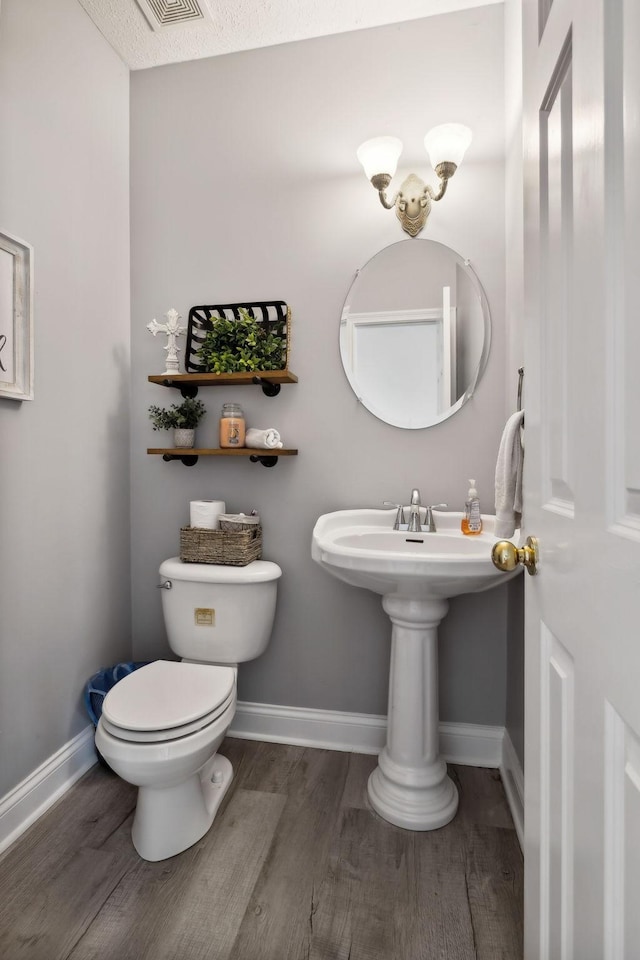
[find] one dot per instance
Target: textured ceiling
(227, 26)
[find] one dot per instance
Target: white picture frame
(16, 318)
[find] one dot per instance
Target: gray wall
(64, 468)
(245, 185)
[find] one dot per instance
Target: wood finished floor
(295, 867)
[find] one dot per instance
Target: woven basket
(198, 545)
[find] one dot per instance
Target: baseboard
(471, 744)
(513, 780)
(30, 799)
(328, 729)
(465, 743)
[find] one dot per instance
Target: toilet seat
(167, 700)
(168, 733)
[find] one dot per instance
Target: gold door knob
(506, 556)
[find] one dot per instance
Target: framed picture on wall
(16, 318)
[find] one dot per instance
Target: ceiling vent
(169, 13)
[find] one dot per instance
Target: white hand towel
(509, 477)
(268, 439)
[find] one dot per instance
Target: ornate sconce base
(413, 204)
(413, 200)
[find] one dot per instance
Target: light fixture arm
(445, 171)
(380, 183)
(441, 192)
(387, 204)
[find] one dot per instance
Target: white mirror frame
(16, 318)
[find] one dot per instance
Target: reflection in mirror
(415, 333)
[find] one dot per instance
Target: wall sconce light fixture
(446, 146)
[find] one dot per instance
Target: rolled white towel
(268, 439)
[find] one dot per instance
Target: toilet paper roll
(205, 513)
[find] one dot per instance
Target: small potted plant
(182, 418)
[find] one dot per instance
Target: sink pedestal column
(410, 786)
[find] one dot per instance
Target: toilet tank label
(205, 617)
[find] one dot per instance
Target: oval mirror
(415, 333)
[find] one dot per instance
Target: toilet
(161, 725)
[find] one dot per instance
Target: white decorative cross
(173, 329)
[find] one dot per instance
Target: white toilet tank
(219, 614)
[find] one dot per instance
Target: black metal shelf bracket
(187, 458)
(188, 390)
(267, 460)
(268, 388)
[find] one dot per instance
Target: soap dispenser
(472, 521)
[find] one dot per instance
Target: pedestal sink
(416, 574)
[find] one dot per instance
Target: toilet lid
(172, 733)
(166, 695)
(258, 571)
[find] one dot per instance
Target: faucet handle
(429, 522)
(399, 515)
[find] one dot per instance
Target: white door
(582, 478)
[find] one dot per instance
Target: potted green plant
(241, 345)
(182, 418)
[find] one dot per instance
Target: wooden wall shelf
(188, 383)
(189, 456)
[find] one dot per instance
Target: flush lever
(165, 585)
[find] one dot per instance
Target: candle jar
(232, 426)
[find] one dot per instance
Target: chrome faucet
(414, 512)
(415, 525)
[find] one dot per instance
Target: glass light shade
(380, 155)
(447, 143)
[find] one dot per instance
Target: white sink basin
(416, 573)
(361, 547)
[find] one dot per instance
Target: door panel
(556, 248)
(582, 478)
(622, 26)
(556, 782)
(622, 839)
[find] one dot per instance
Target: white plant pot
(183, 438)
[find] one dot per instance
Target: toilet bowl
(162, 725)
